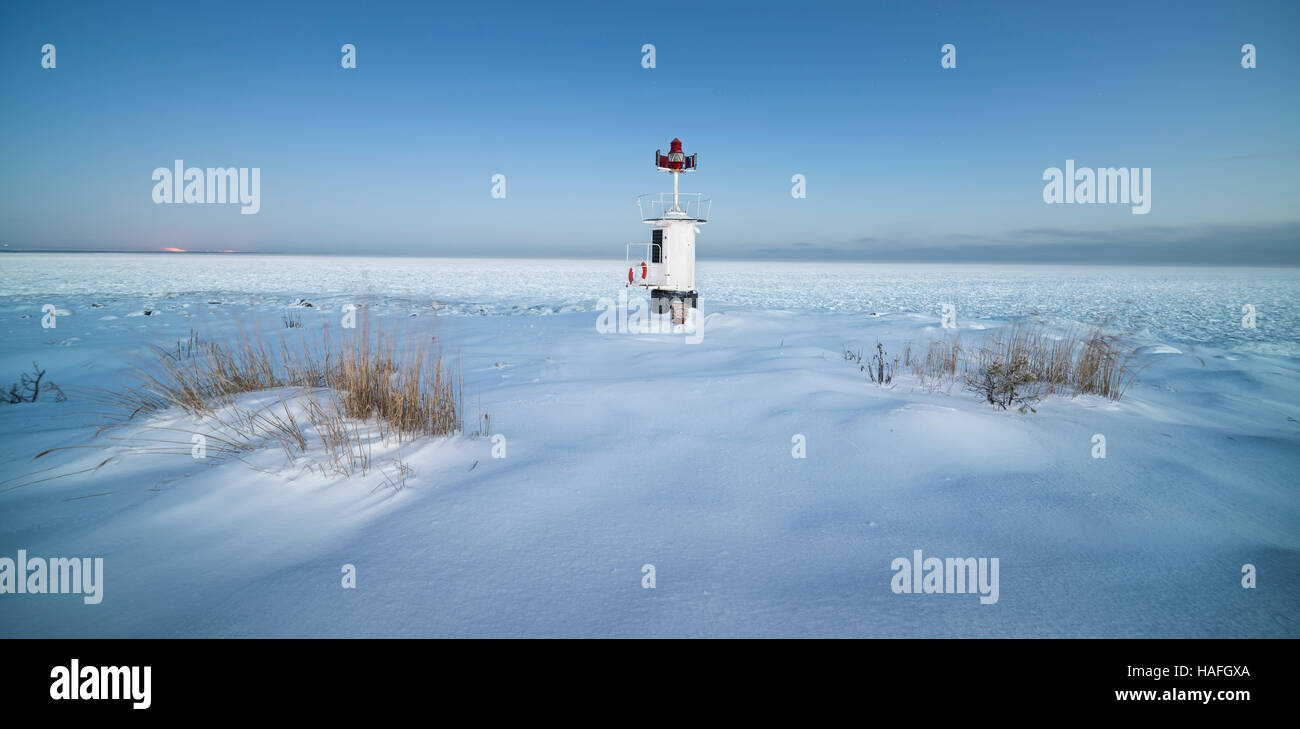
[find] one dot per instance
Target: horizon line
(1028, 261)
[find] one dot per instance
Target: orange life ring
(630, 278)
(643, 270)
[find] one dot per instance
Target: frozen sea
(629, 449)
(1188, 306)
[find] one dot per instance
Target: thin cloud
(1239, 245)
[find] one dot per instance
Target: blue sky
(904, 160)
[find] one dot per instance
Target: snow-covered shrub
(1004, 384)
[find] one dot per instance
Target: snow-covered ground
(624, 450)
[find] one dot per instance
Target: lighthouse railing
(688, 205)
(650, 256)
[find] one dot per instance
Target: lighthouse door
(656, 245)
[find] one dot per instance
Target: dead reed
(345, 391)
(1045, 362)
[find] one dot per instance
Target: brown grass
(1077, 362)
(942, 364)
(344, 391)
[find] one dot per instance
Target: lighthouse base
(661, 301)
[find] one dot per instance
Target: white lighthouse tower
(666, 265)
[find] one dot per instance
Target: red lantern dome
(675, 160)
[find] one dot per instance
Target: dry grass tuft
(1031, 359)
(344, 393)
(942, 364)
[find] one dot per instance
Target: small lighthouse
(666, 265)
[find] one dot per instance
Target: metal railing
(689, 206)
(653, 274)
